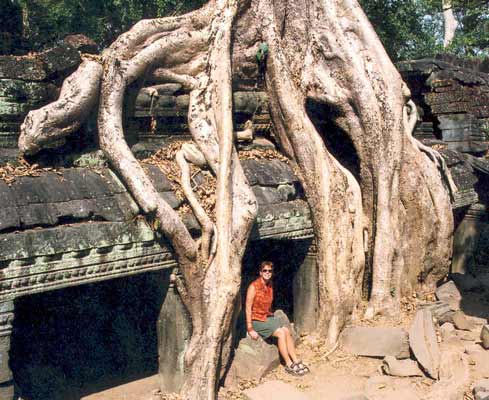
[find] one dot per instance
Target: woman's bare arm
(250, 296)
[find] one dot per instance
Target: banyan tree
(385, 215)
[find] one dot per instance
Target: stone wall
(453, 98)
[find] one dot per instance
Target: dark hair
(266, 264)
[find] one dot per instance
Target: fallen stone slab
(482, 396)
(447, 331)
(481, 389)
(253, 359)
(375, 342)
(441, 311)
(424, 343)
(394, 367)
(274, 390)
(461, 321)
(485, 336)
(454, 377)
(449, 293)
(480, 361)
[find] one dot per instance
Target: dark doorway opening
(72, 342)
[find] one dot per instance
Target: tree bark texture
(391, 213)
(449, 23)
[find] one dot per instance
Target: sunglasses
(267, 270)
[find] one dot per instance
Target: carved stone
(174, 332)
(306, 301)
(6, 378)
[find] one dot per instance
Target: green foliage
(407, 28)
(46, 21)
(412, 29)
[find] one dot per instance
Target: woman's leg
(282, 345)
(290, 344)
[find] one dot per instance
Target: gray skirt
(266, 328)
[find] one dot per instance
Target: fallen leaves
(9, 172)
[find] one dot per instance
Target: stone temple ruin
(86, 300)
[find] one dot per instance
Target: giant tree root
(319, 50)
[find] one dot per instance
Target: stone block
(440, 310)
(485, 336)
(7, 392)
(449, 293)
(447, 331)
(461, 321)
(161, 182)
(174, 331)
(267, 195)
(481, 389)
(268, 172)
(424, 344)
(454, 377)
(24, 68)
(22, 91)
(394, 367)
(9, 218)
(376, 342)
(5, 372)
(253, 359)
(306, 298)
(171, 199)
(274, 390)
(59, 59)
(81, 43)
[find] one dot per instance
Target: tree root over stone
(320, 50)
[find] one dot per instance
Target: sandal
(303, 368)
(293, 370)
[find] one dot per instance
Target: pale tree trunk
(449, 23)
(392, 213)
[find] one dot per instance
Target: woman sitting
(261, 322)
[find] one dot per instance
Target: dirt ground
(337, 375)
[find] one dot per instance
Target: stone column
(174, 331)
(466, 238)
(6, 378)
(306, 296)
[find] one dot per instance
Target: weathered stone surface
(461, 322)
(449, 293)
(375, 342)
(24, 68)
(481, 389)
(424, 344)
(356, 397)
(440, 310)
(447, 331)
(81, 43)
(174, 331)
(268, 172)
(454, 377)
(22, 91)
(253, 359)
(59, 59)
(267, 195)
(274, 390)
(394, 367)
(479, 358)
(306, 297)
(485, 336)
